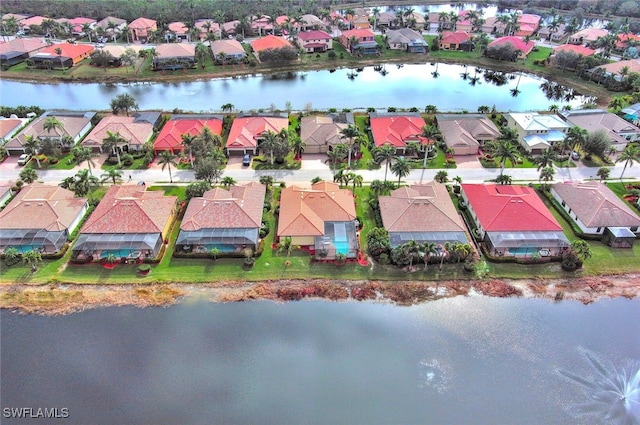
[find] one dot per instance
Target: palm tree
(617, 103)
(428, 249)
(503, 179)
(33, 144)
(51, 124)
(286, 245)
(546, 159)
(384, 153)
(112, 142)
(401, 168)
(84, 182)
(377, 187)
(187, 141)
(85, 154)
(227, 107)
(441, 176)
(297, 145)
(576, 136)
(28, 175)
(412, 248)
(268, 144)
(58, 51)
(431, 133)
(167, 159)
(10, 255)
(630, 155)
(581, 248)
(357, 181)
(504, 150)
(267, 181)
(337, 154)
(546, 175)
(114, 175)
(214, 252)
(227, 182)
(32, 258)
(350, 133)
(603, 173)
(431, 109)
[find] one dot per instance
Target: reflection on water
(613, 391)
(434, 375)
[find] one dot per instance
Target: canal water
(465, 360)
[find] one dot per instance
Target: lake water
(387, 86)
(465, 360)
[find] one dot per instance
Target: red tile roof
(505, 208)
(170, 137)
(358, 33)
(397, 130)
(239, 207)
(26, 45)
(621, 43)
(516, 42)
(454, 37)
(314, 35)
(581, 50)
(142, 23)
(69, 50)
(246, 131)
(9, 126)
(178, 27)
(269, 42)
(131, 209)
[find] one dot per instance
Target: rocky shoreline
(59, 299)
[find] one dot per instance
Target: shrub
(53, 160)
(332, 55)
(126, 159)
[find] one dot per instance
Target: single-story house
(575, 48)
(227, 51)
(458, 40)
(422, 213)
(247, 131)
(466, 133)
(19, 49)
(595, 208)
(537, 132)
(620, 131)
(587, 36)
(117, 50)
(139, 29)
(321, 219)
(129, 222)
(111, 25)
(407, 40)
(229, 28)
(136, 130)
(178, 31)
(70, 54)
(174, 56)
(626, 40)
(387, 20)
(321, 132)
(228, 220)
(269, 42)
(614, 68)
(361, 41)
(464, 24)
(74, 125)
(522, 48)
(315, 41)
(547, 33)
(26, 23)
(40, 218)
(10, 126)
(77, 25)
(513, 221)
(309, 22)
(206, 27)
(170, 137)
(397, 129)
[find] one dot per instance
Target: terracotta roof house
(9, 127)
(74, 124)
(170, 137)
(421, 213)
(26, 23)
(321, 132)
(77, 25)
(139, 29)
(40, 218)
(19, 49)
(321, 219)
(419, 22)
(464, 24)
(359, 21)
(6, 192)
(537, 132)
(174, 56)
(387, 20)
(228, 220)
(528, 25)
(587, 36)
(575, 48)
(177, 31)
(626, 40)
(269, 42)
(518, 44)
(247, 131)
(315, 41)
(546, 33)
(70, 55)
(228, 51)
(407, 40)
(513, 221)
(311, 22)
(17, 16)
(111, 24)
(116, 50)
(466, 133)
(597, 210)
(261, 24)
(206, 27)
(360, 41)
(229, 28)
(136, 130)
(129, 222)
(397, 129)
(458, 40)
(614, 68)
(620, 131)
(491, 25)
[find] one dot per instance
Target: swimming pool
(524, 251)
(342, 247)
(120, 253)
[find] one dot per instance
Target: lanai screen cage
(40, 240)
(89, 243)
(220, 236)
(400, 238)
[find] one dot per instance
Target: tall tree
(546, 159)
(401, 168)
(84, 154)
(123, 103)
(114, 175)
(167, 159)
(630, 155)
(112, 143)
(32, 145)
(350, 133)
(51, 124)
(84, 183)
(384, 153)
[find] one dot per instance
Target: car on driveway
(24, 158)
(246, 160)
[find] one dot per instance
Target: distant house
(407, 40)
(140, 28)
(598, 211)
(422, 213)
(521, 47)
(397, 129)
(575, 48)
(269, 42)
(547, 33)
(174, 56)
(70, 55)
(310, 22)
(360, 41)
(111, 25)
(40, 218)
(615, 68)
(136, 130)
(74, 125)
(9, 127)
(321, 132)
(229, 28)
(261, 25)
(321, 219)
(537, 132)
(207, 27)
(527, 25)
(386, 20)
(129, 222)
(491, 25)
(587, 36)
(228, 220)
(458, 40)
(170, 137)
(315, 41)
(19, 49)
(178, 31)
(464, 24)
(26, 23)
(513, 221)
(247, 132)
(228, 51)
(624, 41)
(620, 132)
(77, 25)
(466, 133)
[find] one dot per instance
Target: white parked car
(24, 158)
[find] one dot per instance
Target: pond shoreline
(60, 298)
